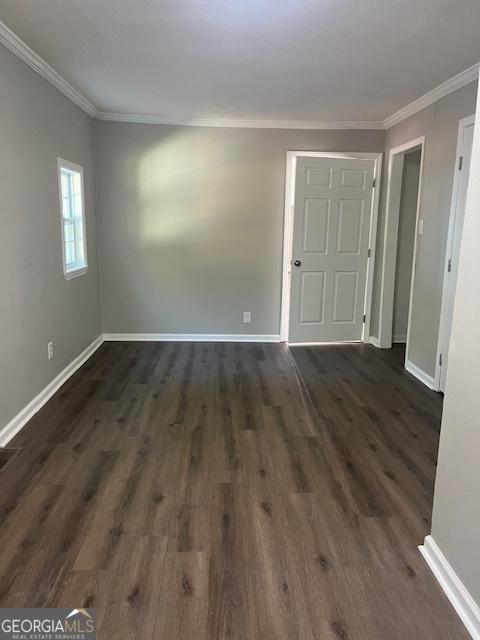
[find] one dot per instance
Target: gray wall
(439, 123)
(456, 511)
(37, 304)
(191, 223)
(406, 238)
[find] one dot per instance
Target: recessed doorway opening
(403, 226)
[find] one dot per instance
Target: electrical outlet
(50, 350)
(247, 317)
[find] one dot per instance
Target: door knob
(297, 263)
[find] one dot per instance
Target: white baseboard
(187, 337)
(18, 422)
(395, 340)
(330, 343)
(420, 375)
(463, 603)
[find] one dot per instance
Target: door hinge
(374, 183)
(460, 163)
(369, 253)
(364, 318)
(440, 360)
(449, 267)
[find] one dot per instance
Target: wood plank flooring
(230, 491)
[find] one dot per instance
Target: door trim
(447, 297)
(290, 175)
(390, 241)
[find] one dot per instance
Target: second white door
(332, 212)
(464, 152)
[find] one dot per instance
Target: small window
(70, 180)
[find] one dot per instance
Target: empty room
(238, 352)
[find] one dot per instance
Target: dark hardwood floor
(217, 491)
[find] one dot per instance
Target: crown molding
(449, 86)
(38, 64)
(239, 123)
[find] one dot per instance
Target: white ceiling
(296, 60)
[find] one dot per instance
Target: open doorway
(402, 228)
(405, 244)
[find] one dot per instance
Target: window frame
(79, 270)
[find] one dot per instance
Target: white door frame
(288, 231)
(390, 242)
(447, 292)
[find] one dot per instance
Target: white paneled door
(332, 211)
(459, 197)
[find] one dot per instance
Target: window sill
(75, 274)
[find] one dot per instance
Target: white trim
(420, 375)
(19, 421)
(83, 268)
(390, 238)
(447, 297)
(38, 64)
(449, 86)
(190, 337)
(241, 123)
(372, 243)
(374, 341)
(399, 339)
(70, 275)
(324, 344)
(459, 596)
(290, 170)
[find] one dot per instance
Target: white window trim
(66, 164)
